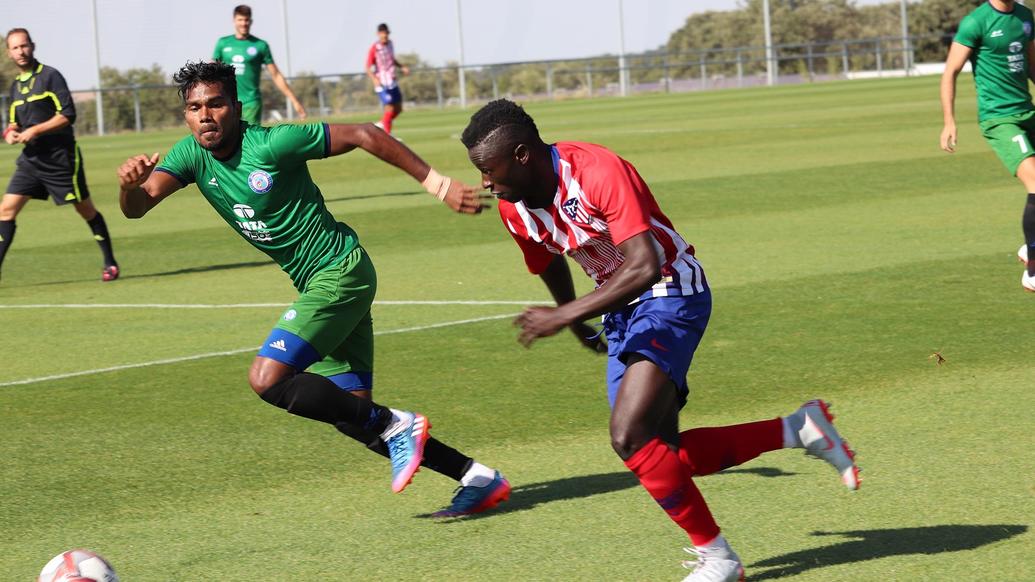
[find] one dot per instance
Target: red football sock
(386, 120)
(710, 450)
(664, 476)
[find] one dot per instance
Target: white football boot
(813, 426)
(1027, 281)
(716, 562)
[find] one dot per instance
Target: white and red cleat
(110, 273)
(816, 434)
(716, 562)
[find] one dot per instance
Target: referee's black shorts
(60, 175)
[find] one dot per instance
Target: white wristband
(436, 184)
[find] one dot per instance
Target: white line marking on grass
(235, 352)
(238, 305)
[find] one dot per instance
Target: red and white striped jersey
(601, 202)
(382, 58)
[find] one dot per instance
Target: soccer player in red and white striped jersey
(381, 69)
(583, 201)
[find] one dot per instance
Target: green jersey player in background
(997, 40)
(317, 362)
(248, 54)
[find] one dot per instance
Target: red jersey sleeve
(617, 190)
(370, 57)
(537, 257)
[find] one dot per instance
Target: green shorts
(252, 112)
(1011, 138)
(328, 330)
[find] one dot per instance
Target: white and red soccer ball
(78, 566)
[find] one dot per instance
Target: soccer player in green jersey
(997, 40)
(248, 54)
(318, 361)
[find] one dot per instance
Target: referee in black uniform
(42, 114)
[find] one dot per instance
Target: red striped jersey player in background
(583, 201)
(381, 66)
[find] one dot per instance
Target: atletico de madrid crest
(574, 211)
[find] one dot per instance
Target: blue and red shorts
(390, 96)
(665, 330)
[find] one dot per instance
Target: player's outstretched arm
(958, 55)
(282, 84)
(457, 195)
(141, 188)
(638, 272)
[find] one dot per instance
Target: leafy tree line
(794, 22)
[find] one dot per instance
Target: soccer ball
(78, 566)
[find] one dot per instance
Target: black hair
(244, 10)
(206, 72)
(503, 115)
(18, 31)
(382, 27)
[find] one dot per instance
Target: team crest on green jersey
(260, 181)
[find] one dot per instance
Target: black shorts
(60, 175)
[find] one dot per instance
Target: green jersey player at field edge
(997, 40)
(248, 54)
(317, 362)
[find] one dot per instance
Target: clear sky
(331, 36)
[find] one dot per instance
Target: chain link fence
(136, 108)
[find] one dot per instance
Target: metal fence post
(589, 79)
(740, 69)
(668, 78)
(844, 58)
(438, 87)
(809, 62)
(99, 100)
(136, 108)
(880, 63)
(320, 99)
(704, 72)
(549, 80)
(495, 84)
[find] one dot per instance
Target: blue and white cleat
(473, 499)
(405, 440)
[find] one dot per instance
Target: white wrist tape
(436, 184)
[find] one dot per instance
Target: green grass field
(843, 247)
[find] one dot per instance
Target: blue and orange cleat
(405, 443)
(470, 500)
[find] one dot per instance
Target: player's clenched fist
(136, 170)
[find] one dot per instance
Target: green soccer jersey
(247, 56)
(1000, 58)
(264, 191)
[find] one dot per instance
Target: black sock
(315, 397)
(100, 234)
(6, 237)
(1028, 224)
(438, 456)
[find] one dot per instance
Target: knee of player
(626, 440)
(261, 379)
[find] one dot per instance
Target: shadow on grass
(183, 271)
(371, 196)
(201, 269)
(863, 545)
(531, 496)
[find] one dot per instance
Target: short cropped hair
(382, 27)
(503, 115)
(18, 31)
(244, 10)
(206, 72)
